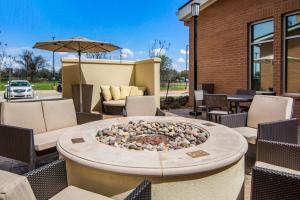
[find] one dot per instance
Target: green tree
(31, 63)
(159, 49)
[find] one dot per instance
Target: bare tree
(31, 63)
(97, 55)
(6, 60)
(159, 48)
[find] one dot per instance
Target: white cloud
(181, 60)
(16, 50)
(141, 53)
(184, 52)
(126, 53)
(158, 51)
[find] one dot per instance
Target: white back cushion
(59, 114)
(140, 106)
(14, 187)
(266, 108)
(24, 114)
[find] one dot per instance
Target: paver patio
(18, 167)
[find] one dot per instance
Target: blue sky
(131, 24)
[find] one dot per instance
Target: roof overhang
(184, 12)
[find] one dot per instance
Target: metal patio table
(236, 99)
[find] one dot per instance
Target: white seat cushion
(48, 139)
(14, 187)
(266, 108)
(249, 133)
(140, 106)
(59, 114)
(120, 103)
(75, 193)
(24, 114)
(276, 168)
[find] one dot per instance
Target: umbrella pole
(80, 83)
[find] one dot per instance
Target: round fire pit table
(213, 169)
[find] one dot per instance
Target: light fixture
(195, 9)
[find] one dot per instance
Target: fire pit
(153, 136)
(183, 158)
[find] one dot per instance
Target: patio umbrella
(79, 45)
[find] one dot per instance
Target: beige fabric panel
(59, 114)
(75, 193)
(140, 106)
(266, 108)
(14, 187)
(24, 114)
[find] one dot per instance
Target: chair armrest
(278, 153)
(280, 131)
(83, 118)
(234, 120)
(159, 112)
(141, 192)
(270, 184)
(48, 180)
(17, 143)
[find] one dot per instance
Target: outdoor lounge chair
(276, 174)
(29, 130)
(216, 105)
(199, 101)
(269, 117)
(141, 106)
(50, 182)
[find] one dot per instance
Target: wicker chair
(141, 106)
(35, 143)
(199, 101)
(269, 117)
(216, 105)
(276, 174)
(50, 182)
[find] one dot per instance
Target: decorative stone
(159, 136)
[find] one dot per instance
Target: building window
(261, 55)
(292, 53)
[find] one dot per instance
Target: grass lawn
(41, 85)
(173, 86)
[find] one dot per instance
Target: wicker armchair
(50, 182)
(199, 101)
(276, 174)
(141, 106)
(269, 118)
(33, 145)
(216, 105)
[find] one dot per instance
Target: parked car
(19, 89)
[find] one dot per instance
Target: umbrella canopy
(76, 44)
(79, 45)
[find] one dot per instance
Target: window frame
(251, 44)
(285, 38)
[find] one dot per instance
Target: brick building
(247, 44)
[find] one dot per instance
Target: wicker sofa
(50, 182)
(269, 117)
(29, 130)
(276, 174)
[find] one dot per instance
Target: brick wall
(223, 51)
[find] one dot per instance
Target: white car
(19, 89)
